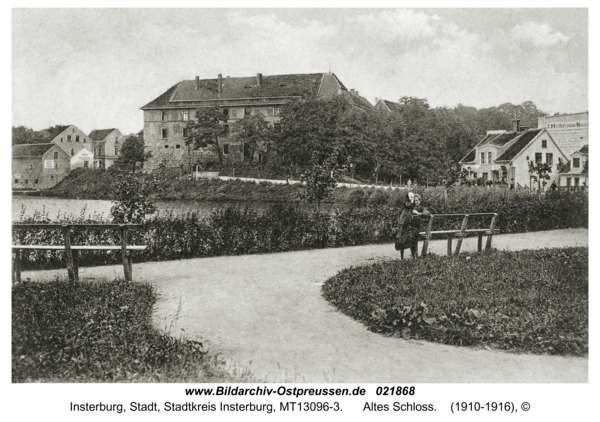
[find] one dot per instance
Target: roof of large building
(584, 149)
(271, 86)
(519, 144)
(53, 132)
(100, 134)
(470, 157)
(30, 150)
(392, 106)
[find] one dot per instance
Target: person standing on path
(410, 225)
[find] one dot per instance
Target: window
(277, 127)
(489, 158)
(56, 155)
(36, 180)
(163, 116)
(84, 140)
(16, 180)
(61, 139)
(116, 151)
(527, 158)
(484, 176)
(163, 133)
(568, 181)
(166, 146)
(85, 164)
(577, 181)
(68, 138)
(185, 132)
(232, 113)
(544, 143)
(26, 181)
(549, 158)
(538, 157)
(575, 162)
(76, 138)
(276, 111)
(225, 149)
(177, 146)
(483, 158)
(247, 111)
(186, 115)
(226, 112)
(72, 152)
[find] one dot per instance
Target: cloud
(396, 25)
(538, 34)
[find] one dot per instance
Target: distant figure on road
(409, 184)
(553, 186)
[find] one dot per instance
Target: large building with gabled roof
(166, 117)
(71, 139)
(504, 156)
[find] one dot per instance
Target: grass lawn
(526, 301)
(101, 332)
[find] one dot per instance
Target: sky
(95, 68)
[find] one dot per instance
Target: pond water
(54, 206)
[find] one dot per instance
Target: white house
(83, 158)
(576, 172)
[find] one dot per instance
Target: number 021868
(395, 391)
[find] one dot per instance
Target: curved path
(266, 313)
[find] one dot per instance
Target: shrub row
(235, 231)
(527, 301)
(99, 332)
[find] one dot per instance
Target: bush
(235, 231)
(527, 301)
(99, 332)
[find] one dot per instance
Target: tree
(540, 173)
(255, 131)
(23, 135)
(132, 152)
(130, 196)
(211, 125)
(320, 180)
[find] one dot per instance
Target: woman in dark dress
(410, 225)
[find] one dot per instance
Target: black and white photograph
(230, 212)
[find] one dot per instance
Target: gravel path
(266, 313)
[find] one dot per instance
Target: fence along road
(266, 313)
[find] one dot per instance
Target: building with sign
(504, 156)
(569, 131)
(575, 172)
(83, 159)
(38, 166)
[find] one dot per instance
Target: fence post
(427, 237)
(463, 227)
(122, 231)
(479, 241)
(17, 266)
(68, 252)
(488, 244)
(450, 236)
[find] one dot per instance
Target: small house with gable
(71, 139)
(575, 172)
(106, 146)
(38, 166)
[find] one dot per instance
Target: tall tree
(210, 125)
(133, 152)
(256, 132)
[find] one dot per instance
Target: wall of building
(40, 172)
(521, 162)
(72, 146)
(569, 131)
(107, 150)
(84, 159)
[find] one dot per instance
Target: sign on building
(49, 164)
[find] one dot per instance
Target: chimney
(356, 92)
(258, 79)
(376, 100)
(515, 123)
(220, 82)
(197, 82)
